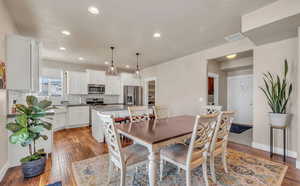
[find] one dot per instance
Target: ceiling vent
(234, 37)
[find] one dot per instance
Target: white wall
(180, 84)
(6, 27)
(270, 57)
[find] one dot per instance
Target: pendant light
(137, 71)
(112, 70)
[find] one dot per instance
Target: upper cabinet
(23, 56)
(96, 77)
(129, 79)
(113, 85)
(77, 82)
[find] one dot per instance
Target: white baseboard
(276, 150)
(3, 171)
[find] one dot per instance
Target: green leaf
(35, 156)
(44, 104)
(38, 115)
(286, 68)
(36, 129)
(44, 137)
(277, 90)
(46, 125)
(22, 120)
(31, 100)
(13, 127)
(19, 137)
(22, 108)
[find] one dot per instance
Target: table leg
(152, 168)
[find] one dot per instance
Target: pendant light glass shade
(112, 69)
(137, 71)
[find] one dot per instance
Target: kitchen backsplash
(20, 97)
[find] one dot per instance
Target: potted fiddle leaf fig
(278, 91)
(27, 128)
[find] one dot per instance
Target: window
(50, 86)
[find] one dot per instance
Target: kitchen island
(117, 111)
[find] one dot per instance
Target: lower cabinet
(78, 116)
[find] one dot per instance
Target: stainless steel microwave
(96, 89)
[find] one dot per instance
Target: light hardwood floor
(77, 144)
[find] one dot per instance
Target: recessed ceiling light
(66, 32)
(93, 10)
(80, 58)
(231, 56)
(127, 66)
(62, 48)
(106, 62)
(156, 35)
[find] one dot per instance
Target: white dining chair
(220, 141)
(160, 112)
(195, 154)
(209, 109)
(126, 158)
(138, 113)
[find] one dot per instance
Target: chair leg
(161, 168)
(204, 168)
(110, 170)
(224, 160)
(123, 176)
(212, 168)
(188, 177)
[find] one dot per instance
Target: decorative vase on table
(278, 91)
(27, 129)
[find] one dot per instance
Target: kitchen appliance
(94, 101)
(133, 95)
(96, 89)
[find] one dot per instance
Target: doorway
(150, 88)
(234, 92)
(213, 89)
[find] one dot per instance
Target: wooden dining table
(156, 134)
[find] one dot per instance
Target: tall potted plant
(27, 129)
(277, 91)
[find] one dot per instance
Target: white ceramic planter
(278, 120)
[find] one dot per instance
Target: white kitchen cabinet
(129, 79)
(23, 56)
(96, 77)
(113, 85)
(78, 116)
(60, 119)
(77, 82)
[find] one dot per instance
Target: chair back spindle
(138, 113)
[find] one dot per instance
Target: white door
(240, 99)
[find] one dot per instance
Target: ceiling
(185, 27)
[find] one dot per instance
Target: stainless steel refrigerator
(133, 95)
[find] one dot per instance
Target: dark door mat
(235, 128)
(55, 184)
